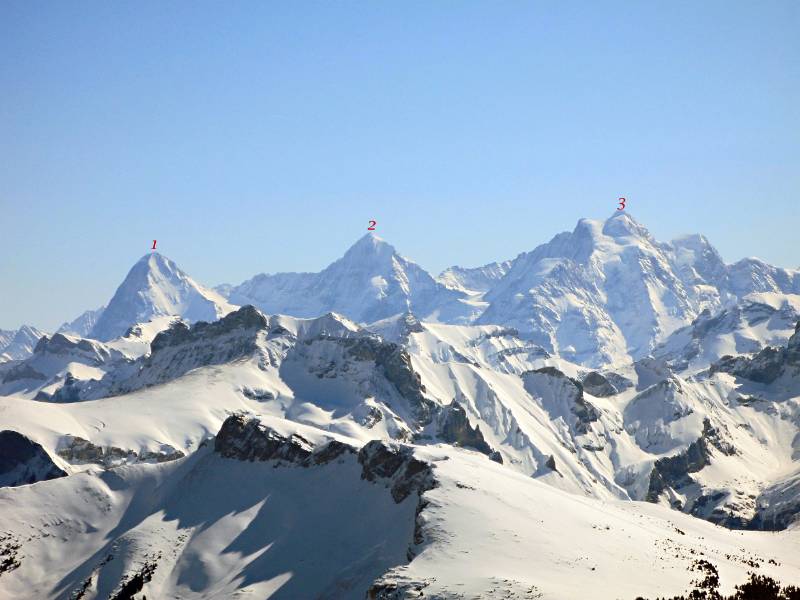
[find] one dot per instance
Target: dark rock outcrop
(597, 385)
(22, 372)
(673, 471)
(133, 583)
(23, 461)
(245, 438)
(395, 364)
(397, 465)
(91, 352)
(78, 450)
(766, 366)
(181, 348)
(247, 317)
(454, 428)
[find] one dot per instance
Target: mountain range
(606, 416)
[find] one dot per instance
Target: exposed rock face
(257, 394)
(182, 348)
(551, 463)
(23, 461)
(23, 371)
(91, 352)
(395, 363)
(81, 451)
(133, 583)
(597, 385)
(454, 428)
(673, 471)
(247, 317)
(619, 382)
(245, 438)
(396, 464)
(9, 549)
(766, 366)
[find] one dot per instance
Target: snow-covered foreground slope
(313, 517)
(493, 533)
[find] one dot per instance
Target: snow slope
(340, 527)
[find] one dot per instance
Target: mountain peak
(622, 224)
(156, 286)
(369, 247)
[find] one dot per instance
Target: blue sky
(258, 136)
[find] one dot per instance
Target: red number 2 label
(372, 225)
(621, 204)
(154, 245)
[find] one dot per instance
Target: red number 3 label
(621, 204)
(372, 225)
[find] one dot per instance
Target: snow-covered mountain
(82, 325)
(480, 279)
(621, 406)
(369, 283)
(759, 320)
(19, 344)
(608, 291)
(156, 287)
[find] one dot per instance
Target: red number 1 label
(370, 228)
(620, 207)
(154, 245)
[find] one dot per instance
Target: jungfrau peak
(603, 292)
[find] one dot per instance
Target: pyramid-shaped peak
(153, 267)
(154, 260)
(368, 246)
(155, 286)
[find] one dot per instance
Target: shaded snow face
(263, 515)
(23, 461)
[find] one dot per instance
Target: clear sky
(261, 136)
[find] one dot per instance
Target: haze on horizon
(255, 138)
